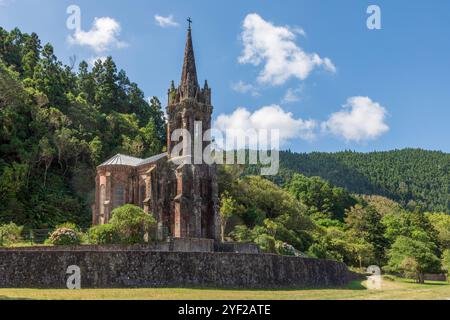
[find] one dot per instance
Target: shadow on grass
(6, 298)
(354, 285)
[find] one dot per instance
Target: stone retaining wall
(143, 268)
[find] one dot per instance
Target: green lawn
(398, 289)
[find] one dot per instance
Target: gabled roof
(124, 160)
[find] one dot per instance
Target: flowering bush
(64, 237)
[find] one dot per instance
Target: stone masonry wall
(142, 268)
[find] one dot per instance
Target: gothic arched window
(143, 192)
(119, 196)
(102, 199)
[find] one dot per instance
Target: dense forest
(57, 123)
(413, 177)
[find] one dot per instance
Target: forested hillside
(413, 177)
(57, 123)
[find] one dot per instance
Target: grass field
(392, 290)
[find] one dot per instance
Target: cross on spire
(189, 74)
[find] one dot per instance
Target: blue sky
(293, 65)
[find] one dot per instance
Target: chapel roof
(124, 160)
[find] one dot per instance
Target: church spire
(189, 74)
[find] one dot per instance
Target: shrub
(68, 225)
(389, 277)
(446, 262)
(413, 258)
(132, 224)
(64, 237)
(103, 234)
(266, 243)
(285, 249)
(10, 234)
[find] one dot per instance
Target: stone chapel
(183, 198)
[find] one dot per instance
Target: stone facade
(182, 197)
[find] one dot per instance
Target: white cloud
(275, 47)
(360, 119)
(103, 35)
(292, 95)
(271, 117)
(243, 87)
(299, 31)
(164, 22)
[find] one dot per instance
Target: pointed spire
(189, 73)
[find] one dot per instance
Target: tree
(365, 223)
(86, 82)
(413, 257)
(49, 78)
(330, 243)
(319, 195)
(105, 77)
(446, 262)
(30, 54)
(441, 223)
(362, 251)
(132, 224)
(46, 155)
(158, 118)
(414, 225)
(227, 209)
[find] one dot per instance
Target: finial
(189, 20)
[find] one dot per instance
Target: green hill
(410, 176)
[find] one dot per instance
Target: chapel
(183, 198)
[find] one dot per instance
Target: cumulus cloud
(275, 48)
(103, 35)
(360, 119)
(165, 22)
(271, 117)
(243, 87)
